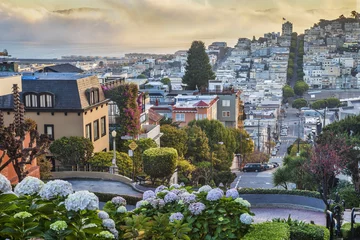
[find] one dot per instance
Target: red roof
(154, 116)
(201, 104)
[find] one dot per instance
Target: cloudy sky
(167, 24)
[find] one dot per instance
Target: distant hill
(322, 23)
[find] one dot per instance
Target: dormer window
(31, 100)
(46, 100)
(94, 96)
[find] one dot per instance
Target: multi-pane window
(46, 100)
(96, 130)
(49, 130)
(88, 131)
(180, 117)
(226, 103)
(94, 96)
(226, 113)
(31, 100)
(103, 126)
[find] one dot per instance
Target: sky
(155, 24)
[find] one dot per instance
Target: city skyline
(150, 25)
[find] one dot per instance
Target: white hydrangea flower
(118, 201)
(160, 188)
(58, 226)
(108, 223)
(56, 188)
(205, 188)
(170, 197)
(29, 186)
(121, 209)
(245, 218)
(141, 203)
(5, 185)
(196, 208)
(103, 215)
(243, 202)
(233, 193)
(175, 185)
(176, 216)
(82, 200)
(90, 225)
(214, 194)
(106, 235)
(148, 194)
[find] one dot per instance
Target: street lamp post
(114, 168)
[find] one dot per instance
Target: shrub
(45, 168)
(346, 230)
(280, 191)
(103, 160)
(309, 232)
(268, 231)
(160, 163)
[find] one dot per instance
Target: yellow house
(62, 105)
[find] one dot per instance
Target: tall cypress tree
(198, 69)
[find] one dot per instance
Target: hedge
(309, 232)
(268, 231)
(304, 193)
(104, 197)
(346, 230)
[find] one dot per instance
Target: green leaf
(7, 197)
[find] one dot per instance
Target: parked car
(275, 164)
(283, 134)
(253, 167)
(273, 153)
(268, 166)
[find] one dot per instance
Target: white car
(273, 153)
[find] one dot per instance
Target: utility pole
(298, 141)
(258, 135)
(269, 138)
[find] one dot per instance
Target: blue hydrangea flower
(232, 193)
(245, 218)
(187, 197)
(160, 188)
(205, 188)
(103, 215)
(176, 216)
(175, 186)
(148, 194)
(214, 194)
(170, 197)
(196, 208)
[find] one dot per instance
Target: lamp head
(113, 133)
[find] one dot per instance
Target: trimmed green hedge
(346, 230)
(268, 231)
(309, 232)
(279, 191)
(104, 197)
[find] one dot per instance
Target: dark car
(253, 167)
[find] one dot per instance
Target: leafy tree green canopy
(198, 69)
(165, 81)
(197, 144)
(72, 150)
(160, 163)
(299, 103)
(175, 138)
(319, 104)
(300, 88)
(288, 91)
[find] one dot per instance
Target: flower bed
(54, 211)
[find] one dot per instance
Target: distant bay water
(31, 50)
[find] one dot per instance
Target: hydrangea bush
(54, 211)
(51, 211)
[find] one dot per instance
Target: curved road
(103, 186)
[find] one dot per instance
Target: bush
(45, 168)
(346, 230)
(309, 232)
(268, 231)
(160, 163)
(280, 191)
(103, 160)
